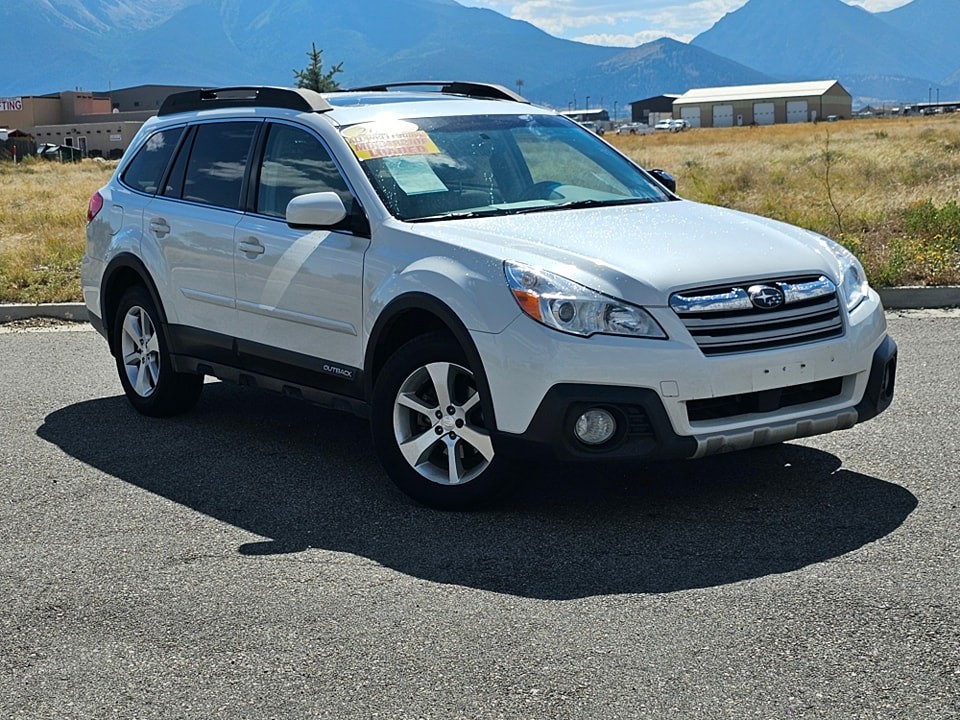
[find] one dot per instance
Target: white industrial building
(764, 104)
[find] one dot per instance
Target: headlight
(572, 308)
(853, 280)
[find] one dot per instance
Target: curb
(915, 298)
(77, 312)
(901, 298)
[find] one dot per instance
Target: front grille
(729, 319)
(764, 401)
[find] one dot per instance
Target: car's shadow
(306, 478)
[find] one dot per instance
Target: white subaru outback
(477, 276)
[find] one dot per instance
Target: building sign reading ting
(9, 104)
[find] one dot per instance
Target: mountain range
(51, 45)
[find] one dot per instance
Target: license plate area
(782, 374)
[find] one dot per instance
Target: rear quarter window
(145, 171)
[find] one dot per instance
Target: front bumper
(644, 429)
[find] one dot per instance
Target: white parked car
(477, 276)
(633, 128)
(672, 125)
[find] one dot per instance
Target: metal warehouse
(764, 104)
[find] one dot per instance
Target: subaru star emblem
(765, 297)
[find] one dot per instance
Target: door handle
(251, 246)
(159, 227)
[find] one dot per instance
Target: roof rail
(488, 91)
(213, 98)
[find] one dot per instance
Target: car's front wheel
(143, 359)
(429, 428)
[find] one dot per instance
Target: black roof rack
(487, 91)
(213, 98)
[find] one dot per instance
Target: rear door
(190, 225)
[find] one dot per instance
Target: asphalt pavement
(251, 560)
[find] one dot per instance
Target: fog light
(595, 427)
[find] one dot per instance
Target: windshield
(448, 167)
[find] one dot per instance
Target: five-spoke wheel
(438, 424)
(143, 359)
(140, 351)
(429, 425)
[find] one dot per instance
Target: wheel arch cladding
(123, 272)
(412, 315)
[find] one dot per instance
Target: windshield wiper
(496, 212)
(462, 215)
(577, 204)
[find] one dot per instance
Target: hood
(642, 253)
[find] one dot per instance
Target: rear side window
(218, 162)
(146, 169)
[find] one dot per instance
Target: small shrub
(926, 219)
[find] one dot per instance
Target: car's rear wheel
(429, 428)
(143, 359)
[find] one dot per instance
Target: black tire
(143, 359)
(425, 407)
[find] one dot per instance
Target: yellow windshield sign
(392, 138)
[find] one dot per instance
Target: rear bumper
(97, 322)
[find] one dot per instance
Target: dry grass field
(42, 219)
(888, 189)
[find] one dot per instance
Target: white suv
(476, 275)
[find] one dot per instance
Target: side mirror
(665, 179)
(322, 209)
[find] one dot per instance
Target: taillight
(94, 206)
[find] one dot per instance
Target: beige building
(99, 124)
(764, 104)
(29, 111)
(94, 139)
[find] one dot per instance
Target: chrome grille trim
(802, 291)
(737, 298)
(724, 320)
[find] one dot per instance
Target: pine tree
(312, 76)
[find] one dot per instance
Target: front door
(299, 290)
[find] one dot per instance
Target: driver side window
(295, 163)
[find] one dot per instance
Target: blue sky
(630, 22)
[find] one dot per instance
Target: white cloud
(619, 20)
(877, 5)
(629, 41)
(630, 22)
